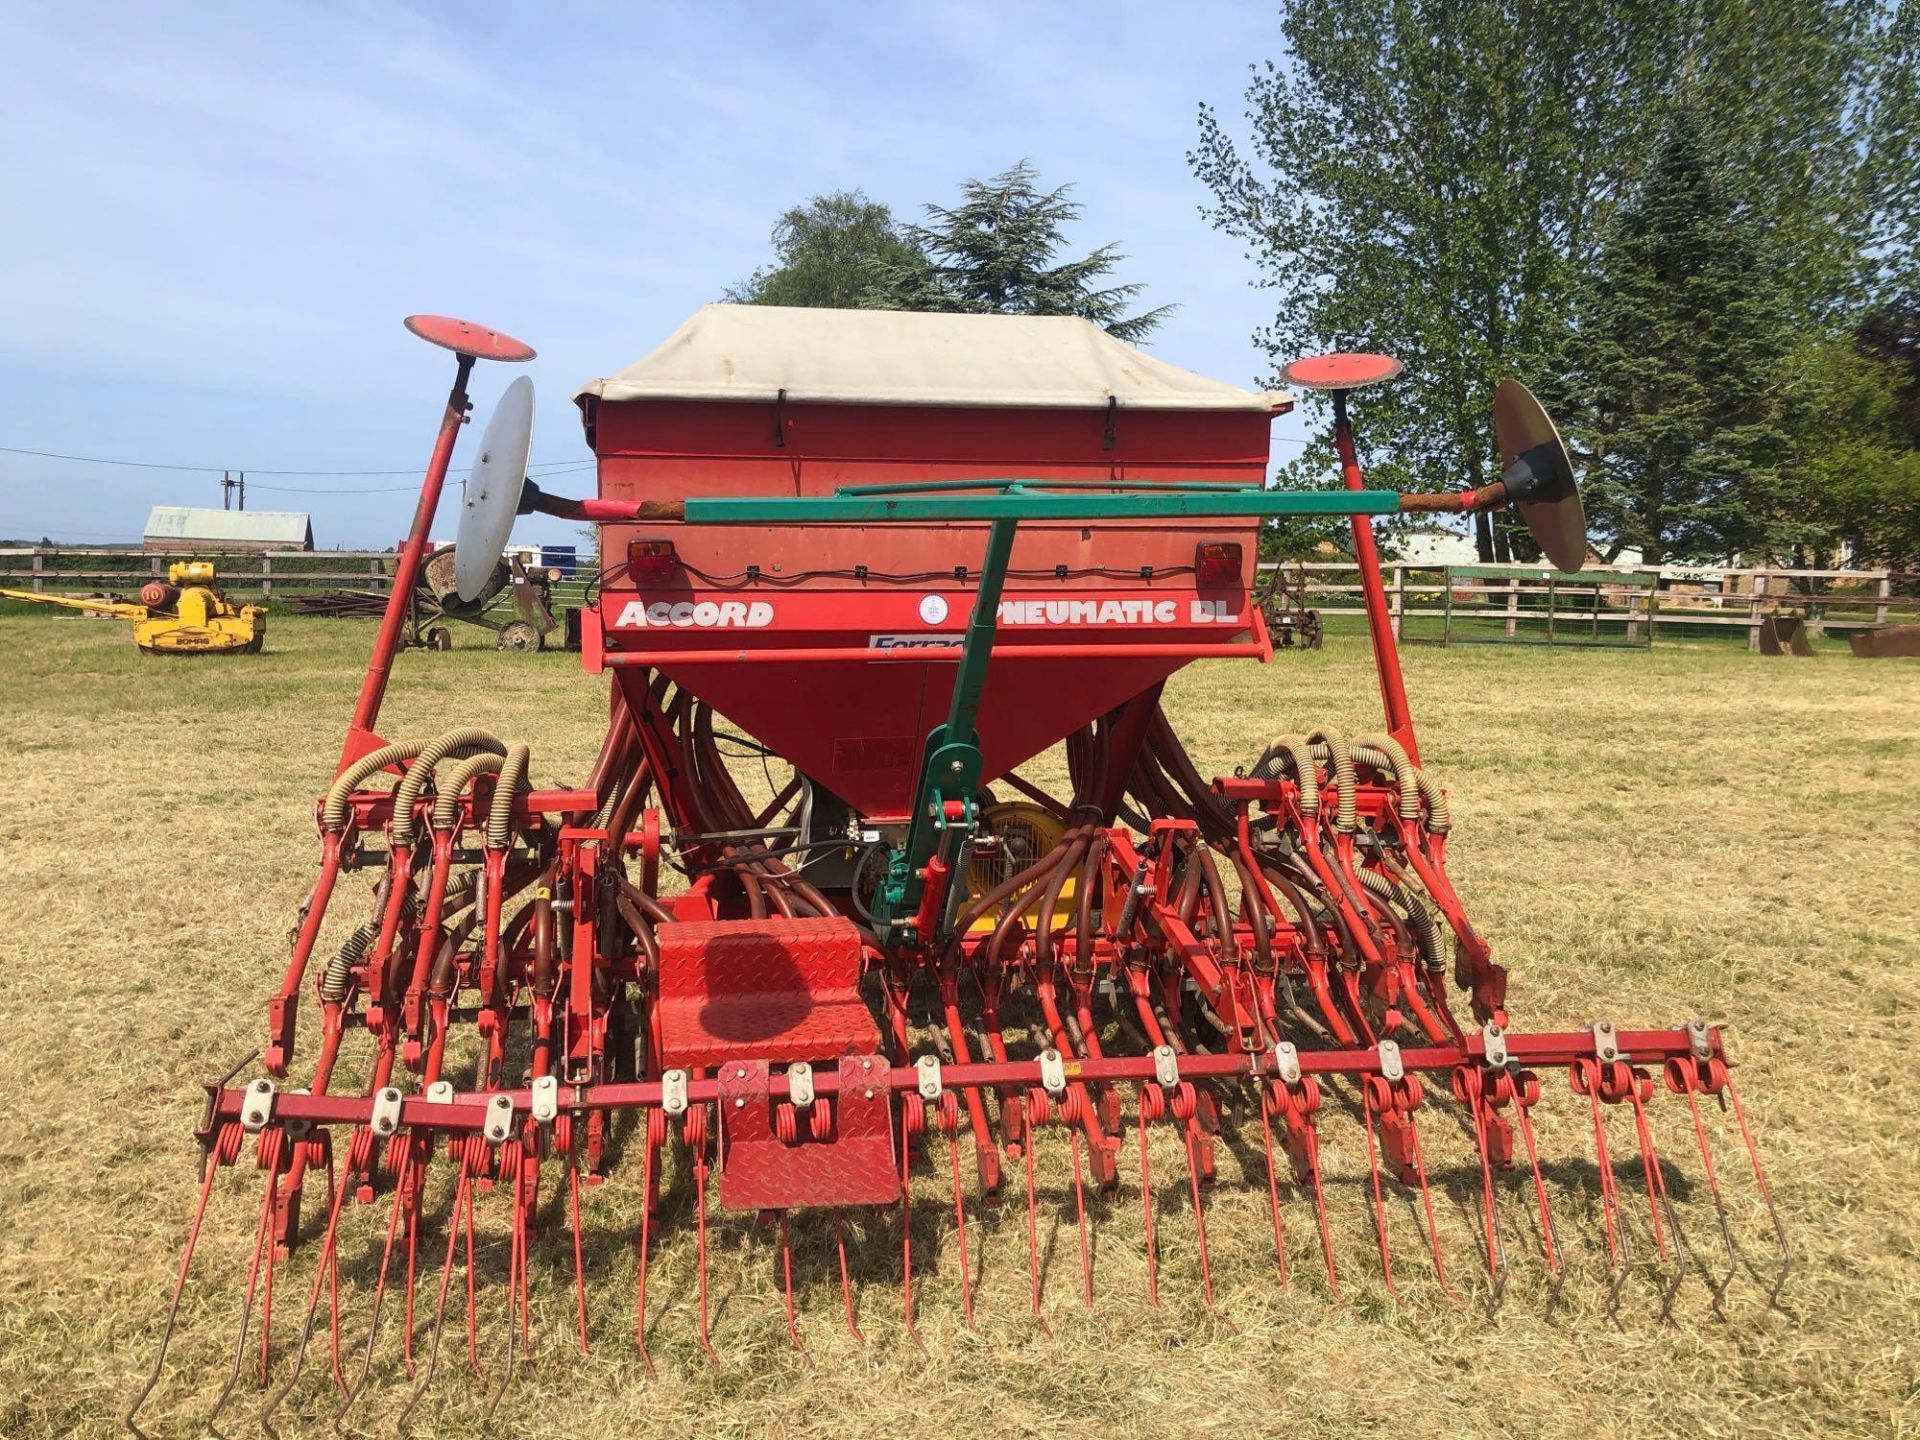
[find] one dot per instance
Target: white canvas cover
(893, 357)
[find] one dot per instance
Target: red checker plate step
(774, 990)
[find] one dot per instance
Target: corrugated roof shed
(174, 527)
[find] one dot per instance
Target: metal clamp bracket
(440, 1092)
(386, 1111)
(1286, 1061)
(673, 1092)
(1606, 1048)
(546, 1098)
(800, 1084)
(1166, 1066)
(499, 1126)
(1493, 1040)
(1699, 1040)
(1053, 1072)
(1390, 1066)
(257, 1108)
(929, 1083)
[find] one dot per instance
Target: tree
(1433, 178)
(1856, 439)
(829, 251)
(1891, 334)
(1423, 178)
(994, 254)
(1683, 330)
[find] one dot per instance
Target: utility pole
(243, 489)
(226, 489)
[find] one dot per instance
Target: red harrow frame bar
(1125, 968)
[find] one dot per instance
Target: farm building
(181, 527)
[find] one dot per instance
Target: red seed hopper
(892, 853)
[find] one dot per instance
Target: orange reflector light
(651, 562)
(1217, 562)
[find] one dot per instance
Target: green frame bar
(1014, 502)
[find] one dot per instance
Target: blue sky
(215, 215)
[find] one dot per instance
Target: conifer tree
(1683, 333)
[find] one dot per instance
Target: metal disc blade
(463, 337)
(1340, 370)
(1558, 520)
(493, 490)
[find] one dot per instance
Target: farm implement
(881, 563)
(185, 614)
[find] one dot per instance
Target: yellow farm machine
(187, 614)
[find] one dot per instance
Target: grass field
(1643, 836)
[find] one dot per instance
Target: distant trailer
(564, 558)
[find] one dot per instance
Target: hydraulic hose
(513, 780)
(446, 804)
(1293, 751)
(1384, 753)
(462, 742)
(1419, 919)
(1340, 756)
(333, 811)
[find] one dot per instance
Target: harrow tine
(1273, 1186)
(212, 1164)
(1719, 1207)
(262, 1245)
(1584, 1075)
(700, 1211)
(579, 1250)
(655, 1134)
(359, 1386)
(1080, 1205)
(786, 1283)
(1193, 1185)
(327, 1266)
(1033, 1224)
(462, 1200)
(1468, 1085)
(906, 1240)
(1527, 1090)
(1379, 1198)
(1426, 1203)
(1658, 1200)
(473, 1310)
(846, 1278)
(515, 1258)
(1766, 1197)
(1146, 1202)
(1303, 1146)
(413, 1259)
(960, 1225)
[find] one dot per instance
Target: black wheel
(519, 635)
(439, 638)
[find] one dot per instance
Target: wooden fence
(1609, 605)
(1437, 604)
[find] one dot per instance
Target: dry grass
(1643, 836)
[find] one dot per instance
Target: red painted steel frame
(1386, 651)
(366, 710)
(467, 1113)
